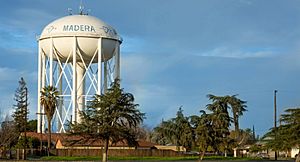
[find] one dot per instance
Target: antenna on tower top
(70, 11)
(81, 8)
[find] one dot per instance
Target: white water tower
(80, 56)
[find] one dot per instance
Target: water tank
(87, 30)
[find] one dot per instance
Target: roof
(77, 141)
(44, 136)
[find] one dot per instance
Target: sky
(174, 52)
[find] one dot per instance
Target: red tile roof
(72, 140)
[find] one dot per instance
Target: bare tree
(8, 134)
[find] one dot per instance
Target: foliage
(110, 117)
(143, 132)
(203, 132)
(177, 131)
(32, 125)
(8, 134)
(286, 136)
(223, 103)
(158, 135)
(220, 122)
(255, 148)
(21, 112)
(291, 125)
(209, 130)
(49, 97)
(246, 137)
(31, 142)
(238, 107)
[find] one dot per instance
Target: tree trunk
(235, 152)
(201, 156)
(104, 156)
(236, 124)
(298, 157)
(25, 144)
(49, 137)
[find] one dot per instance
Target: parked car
(193, 153)
(262, 155)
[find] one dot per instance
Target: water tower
(80, 56)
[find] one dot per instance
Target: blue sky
(174, 52)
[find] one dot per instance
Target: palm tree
(110, 117)
(238, 106)
(49, 97)
(223, 103)
(219, 108)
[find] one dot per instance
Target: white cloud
(155, 100)
(16, 41)
(9, 74)
(139, 76)
(9, 82)
(25, 18)
(132, 44)
(135, 68)
(238, 53)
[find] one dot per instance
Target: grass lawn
(97, 158)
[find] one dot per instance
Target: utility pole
(275, 119)
(41, 132)
(253, 131)
(25, 124)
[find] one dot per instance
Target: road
(211, 161)
(162, 161)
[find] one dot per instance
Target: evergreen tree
(21, 112)
(111, 117)
(204, 133)
(287, 134)
(32, 126)
(237, 106)
(20, 115)
(177, 131)
(220, 122)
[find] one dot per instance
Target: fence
(116, 152)
(19, 153)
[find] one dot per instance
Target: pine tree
(20, 115)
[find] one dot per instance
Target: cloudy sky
(174, 52)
